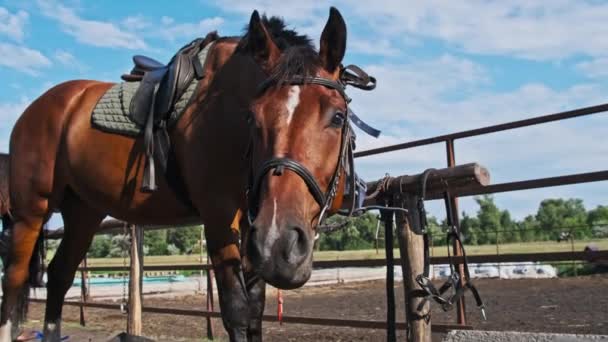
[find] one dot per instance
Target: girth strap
(149, 177)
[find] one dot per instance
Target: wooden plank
(454, 179)
(134, 322)
(412, 246)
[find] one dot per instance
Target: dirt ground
(569, 305)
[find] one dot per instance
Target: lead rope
(280, 306)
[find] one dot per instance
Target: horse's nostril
(296, 245)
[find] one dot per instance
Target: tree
(509, 232)
(469, 228)
(597, 219)
(100, 247)
(436, 231)
(120, 246)
(359, 233)
(172, 249)
(184, 238)
(558, 215)
(489, 217)
(155, 241)
(528, 229)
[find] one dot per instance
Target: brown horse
(268, 102)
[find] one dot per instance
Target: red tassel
(280, 306)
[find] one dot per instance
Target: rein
(350, 75)
(454, 282)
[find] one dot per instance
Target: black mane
(299, 56)
(283, 37)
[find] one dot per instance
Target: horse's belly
(106, 171)
(116, 191)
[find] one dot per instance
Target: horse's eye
(338, 119)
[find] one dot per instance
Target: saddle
(161, 86)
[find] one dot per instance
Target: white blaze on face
(5, 332)
(273, 232)
(293, 99)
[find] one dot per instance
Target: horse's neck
(222, 105)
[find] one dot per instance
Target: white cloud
(537, 30)
(409, 92)
(91, 32)
(12, 25)
(382, 47)
(68, 60)
(136, 23)
(9, 112)
(596, 68)
(292, 10)
(64, 57)
(308, 17)
(22, 58)
(171, 31)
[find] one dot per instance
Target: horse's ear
(333, 41)
(259, 43)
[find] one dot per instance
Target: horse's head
(300, 130)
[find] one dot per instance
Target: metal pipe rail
(488, 129)
(351, 323)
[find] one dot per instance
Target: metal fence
(448, 140)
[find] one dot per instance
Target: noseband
(350, 76)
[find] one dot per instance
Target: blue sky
(442, 66)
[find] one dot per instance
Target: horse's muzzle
(282, 256)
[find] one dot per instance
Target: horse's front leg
(232, 291)
(256, 288)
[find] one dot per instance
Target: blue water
(120, 280)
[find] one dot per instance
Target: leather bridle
(350, 75)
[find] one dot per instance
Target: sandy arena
(570, 305)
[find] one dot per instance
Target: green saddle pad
(111, 113)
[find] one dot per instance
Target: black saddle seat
(146, 63)
(142, 65)
(160, 88)
(162, 85)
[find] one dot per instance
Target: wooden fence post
(411, 247)
(134, 323)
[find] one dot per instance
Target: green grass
(510, 248)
